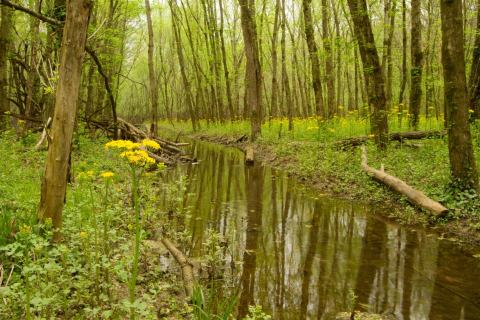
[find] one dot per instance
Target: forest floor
(86, 275)
(307, 153)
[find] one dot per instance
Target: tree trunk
(313, 54)
(329, 71)
(153, 87)
(225, 65)
(404, 54)
(417, 64)
(253, 70)
(285, 80)
(462, 159)
(474, 84)
(54, 183)
(372, 70)
(5, 29)
(274, 110)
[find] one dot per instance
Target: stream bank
(338, 173)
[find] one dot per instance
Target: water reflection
(306, 258)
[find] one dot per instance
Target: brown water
(307, 257)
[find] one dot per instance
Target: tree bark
(372, 71)
(54, 183)
(329, 74)
(417, 64)
(5, 30)
(153, 87)
(462, 159)
(253, 70)
(474, 83)
(313, 54)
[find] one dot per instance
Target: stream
(301, 255)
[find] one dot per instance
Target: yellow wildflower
(122, 144)
(312, 128)
(471, 111)
(150, 144)
(137, 157)
(371, 135)
(83, 235)
(90, 173)
(107, 174)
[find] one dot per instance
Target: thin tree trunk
(225, 65)
(417, 64)
(153, 87)
(313, 54)
(274, 109)
(329, 71)
(253, 70)
(72, 52)
(5, 30)
(285, 80)
(403, 83)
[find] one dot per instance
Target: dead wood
(416, 197)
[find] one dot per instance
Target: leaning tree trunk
(417, 64)
(253, 71)
(474, 92)
(54, 183)
(313, 54)
(153, 87)
(5, 29)
(371, 69)
(462, 159)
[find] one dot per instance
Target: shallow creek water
(302, 255)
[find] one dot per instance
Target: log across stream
(301, 255)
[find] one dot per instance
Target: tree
(474, 83)
(5, 29)
(462, 159)
(371, 69)
(153, 87)
(54, 182)
(253, 69)
(417, 64)
(313, 54)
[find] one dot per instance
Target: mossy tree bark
(462, 159)
(5, 30)
(372, 70)
(313, 54)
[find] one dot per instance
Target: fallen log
(185, 264)
(416, 197)
(395, 136)
(249, 155)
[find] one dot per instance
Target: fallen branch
(416, 197)
(396, 136)
(187, 267)
(44, 134)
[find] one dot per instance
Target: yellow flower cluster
(86, 175)
(106, 175)
(137, 157)
(150, 144)
(122, 144)
(25, 229)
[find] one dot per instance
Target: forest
(240, 159)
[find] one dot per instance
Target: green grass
(86, 275)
